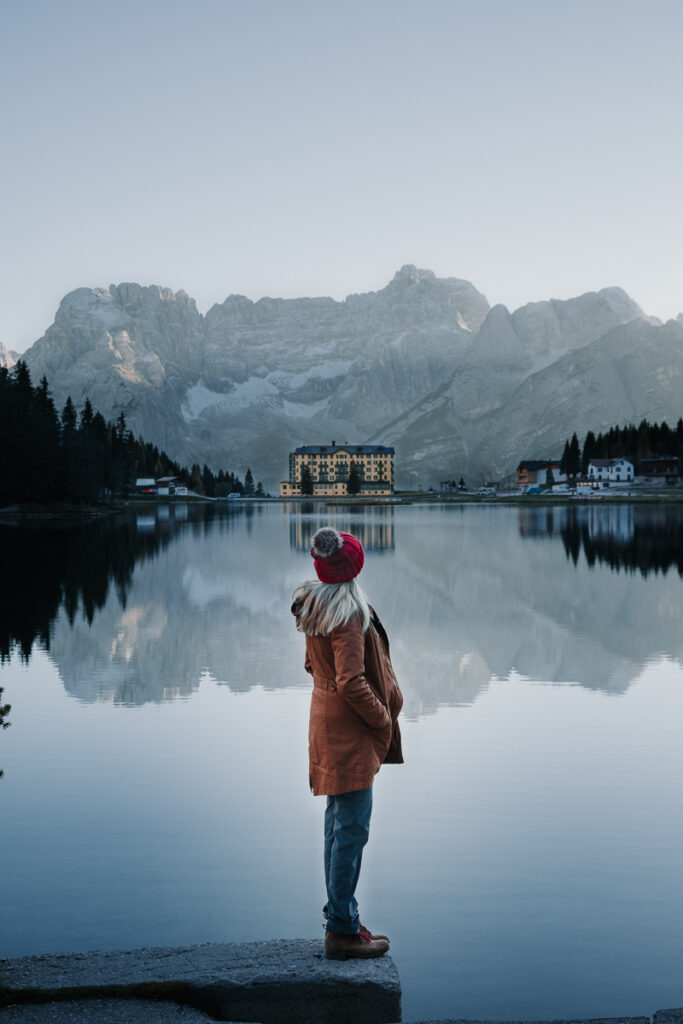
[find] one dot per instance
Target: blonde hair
(322, 607)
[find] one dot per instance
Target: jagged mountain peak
(105, 303)
(621, 301)
(409, 272)
(127, 291)
(613, 298)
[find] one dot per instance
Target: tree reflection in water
(631, 538)
(47, 566)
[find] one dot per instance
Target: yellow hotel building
(329, 465)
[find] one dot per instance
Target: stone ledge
(266, 982)
(587, 1020)
(104, 1011)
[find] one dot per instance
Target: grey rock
(674, 1016)
(287, 979)
(104, 1011)
(7, 358)
(591, 1020)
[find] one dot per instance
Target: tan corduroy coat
(355, 705)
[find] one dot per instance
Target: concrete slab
(266, 982)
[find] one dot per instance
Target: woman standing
(353, 725)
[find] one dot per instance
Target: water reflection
(48, 567)
(641, 539)
(373, 524)
(140, 608)
(88, 594)
(470, 599)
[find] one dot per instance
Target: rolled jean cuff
(342, 927)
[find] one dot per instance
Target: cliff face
(487, 418)
(423, 364)
(7, 358)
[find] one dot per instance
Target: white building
(146, 485)
(612, 471)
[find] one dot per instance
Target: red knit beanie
(338, 556)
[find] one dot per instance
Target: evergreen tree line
(82, 459)
(646, 441)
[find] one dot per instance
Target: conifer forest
(80, 458)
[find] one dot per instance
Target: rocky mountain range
(425, 364)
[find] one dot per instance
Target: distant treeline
(646, 441)
(82, 458)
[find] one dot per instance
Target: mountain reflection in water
(138, 608)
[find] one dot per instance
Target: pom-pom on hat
(338, 556)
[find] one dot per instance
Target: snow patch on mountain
(299, 410)
(251, 392)
(329, 370)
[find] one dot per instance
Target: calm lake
(526, 860)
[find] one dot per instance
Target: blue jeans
(347, 827)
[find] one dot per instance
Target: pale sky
(304, 147)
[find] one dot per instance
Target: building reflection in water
(372, 524)
(632, 538)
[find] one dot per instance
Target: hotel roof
(352, 449)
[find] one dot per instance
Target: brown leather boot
(371, 935)
(347, 947)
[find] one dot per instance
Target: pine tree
(47, 440)
(87, 415)
(68, 417)
(588, 452)
(196, 482)
(306, 481)
(574, 457)
(248, 482)
(353, 484)
(209, 482)
(69, 454)
(564, 461)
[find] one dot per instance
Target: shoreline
(33, 513)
